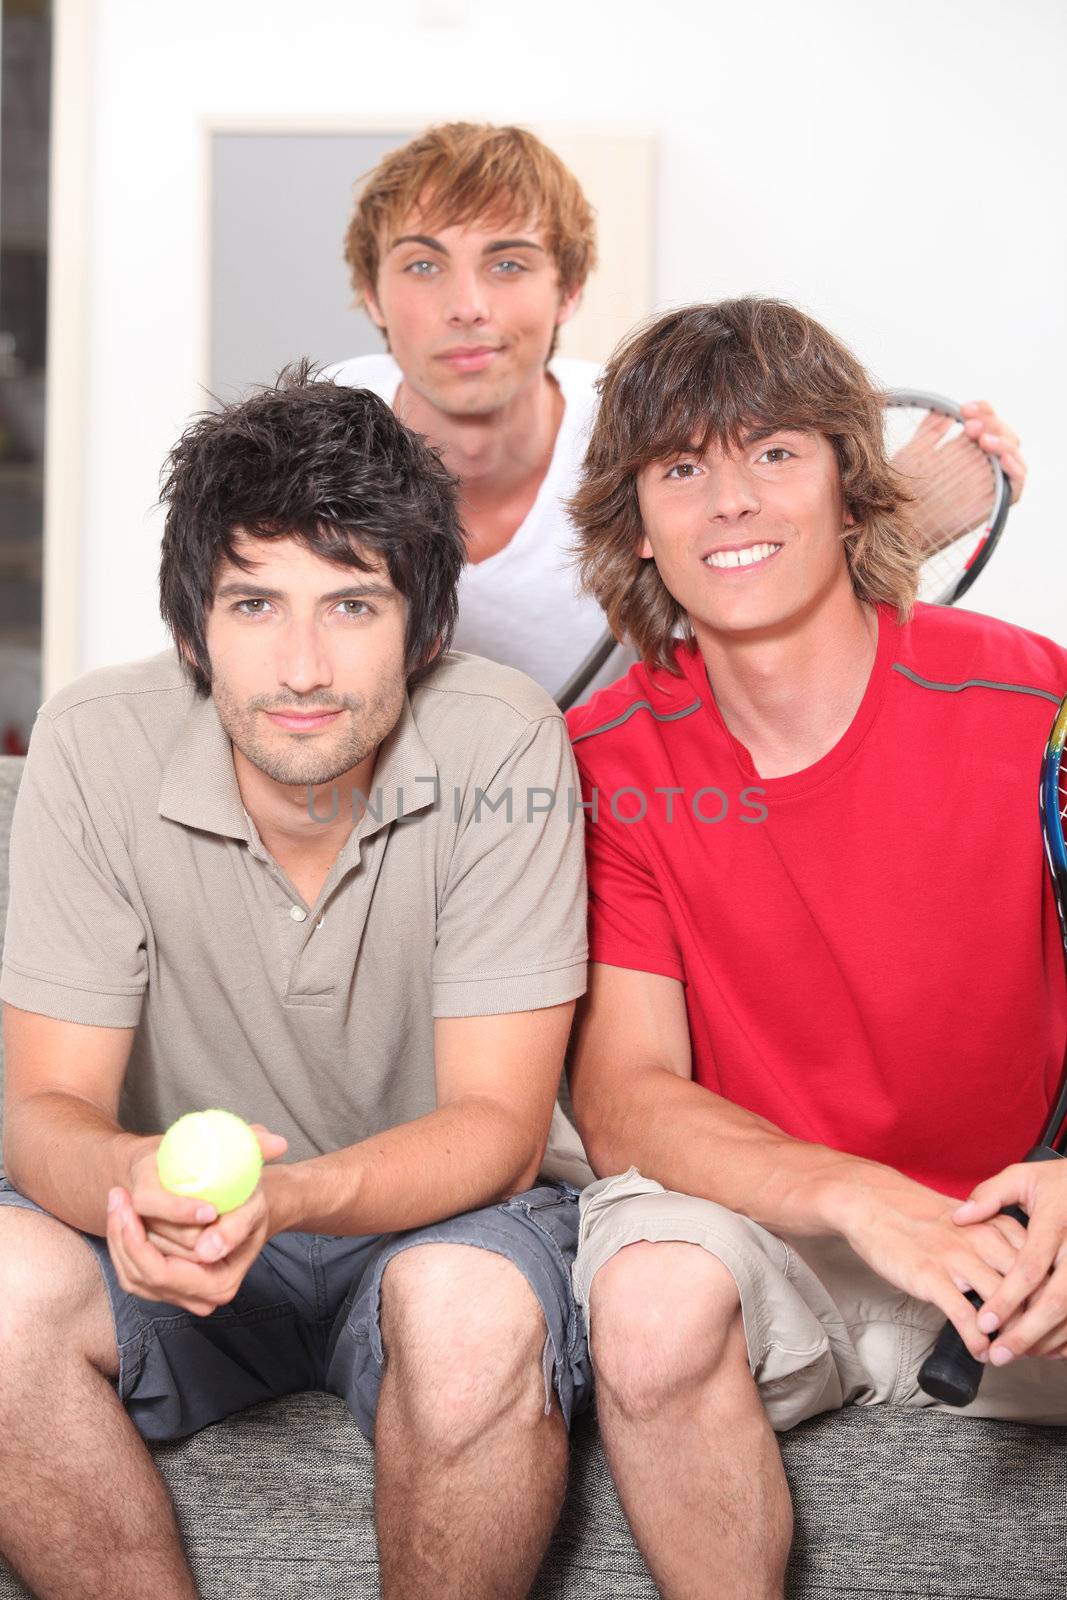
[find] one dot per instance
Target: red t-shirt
(869, 947)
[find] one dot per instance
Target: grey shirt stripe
(638, 705)
(974, 683)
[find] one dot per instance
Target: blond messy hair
(708, 373)
(464, 172)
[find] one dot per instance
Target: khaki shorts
(823, 1329)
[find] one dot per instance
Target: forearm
(66, 1154)
(697, 1143)
(467, 1154)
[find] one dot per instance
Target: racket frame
(998, 514)
(950, 1373)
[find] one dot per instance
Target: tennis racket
(960, 499)
(950, 1373)
(960, 494)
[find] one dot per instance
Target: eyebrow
(430, 243)
(750, 436)
(754, 435)
(256, 591)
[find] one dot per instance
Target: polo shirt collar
(199, 785)
(200, 789)
(405, 780)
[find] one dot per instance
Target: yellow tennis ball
(212, 1156)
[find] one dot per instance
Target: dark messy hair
(329, 466)
(708, 373)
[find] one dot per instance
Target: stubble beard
(310, 758)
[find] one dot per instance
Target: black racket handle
(950, 1373)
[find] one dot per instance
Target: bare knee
(664, 1318)
(464, 1335)
(54, 1300)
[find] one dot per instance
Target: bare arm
(636, 1105)
(497, 1079)
(63, 1146)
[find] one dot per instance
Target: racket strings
(953, 488)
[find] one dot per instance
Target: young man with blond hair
(469, 247)
(826, 997)
(276, 868)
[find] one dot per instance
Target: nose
(467, 301)
(303, 662)
(732, 493)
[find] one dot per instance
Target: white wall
(897, 170)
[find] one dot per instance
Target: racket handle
(950, 1373)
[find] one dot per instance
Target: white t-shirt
(522, 605)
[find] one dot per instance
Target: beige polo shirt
(142, 896)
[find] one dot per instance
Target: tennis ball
(212, 1156)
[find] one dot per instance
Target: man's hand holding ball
(194, 1215)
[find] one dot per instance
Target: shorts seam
(221, 1314)
(575, 1335)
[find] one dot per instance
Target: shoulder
(946, 648)
(578, 383)
(580, 377)
(133, 688)
(471, 703)
(112, 731)
(379, 373)
(634, 710)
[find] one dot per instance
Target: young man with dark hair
(469, 247)
(288, 867)
(826, 995)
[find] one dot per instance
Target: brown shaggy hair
(707, 373)
(464, 172)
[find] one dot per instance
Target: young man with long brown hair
(826, 997)
(469, 247)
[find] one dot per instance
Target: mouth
(469, 358)
(741, 557)
(302, 722)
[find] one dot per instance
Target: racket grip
(950, 1373)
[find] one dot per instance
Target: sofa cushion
(275, 1504)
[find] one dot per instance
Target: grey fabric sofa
(275, 1504)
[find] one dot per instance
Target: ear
(185, 656)
(568, 306)
(374, 310)
(644, 549)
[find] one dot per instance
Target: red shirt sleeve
(629, 922)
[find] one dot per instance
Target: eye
(422, 268)
(776, 453)
(682, 470)
(240, 607)
(364, 609)
(509, 268)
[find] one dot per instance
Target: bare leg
(694, 1458)
(470, 1472)
(84, 1515)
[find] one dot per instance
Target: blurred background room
(177, 179)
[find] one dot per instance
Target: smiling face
(307, 661)
(470, 312)
(748, 540)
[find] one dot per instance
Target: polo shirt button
(298, 913)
